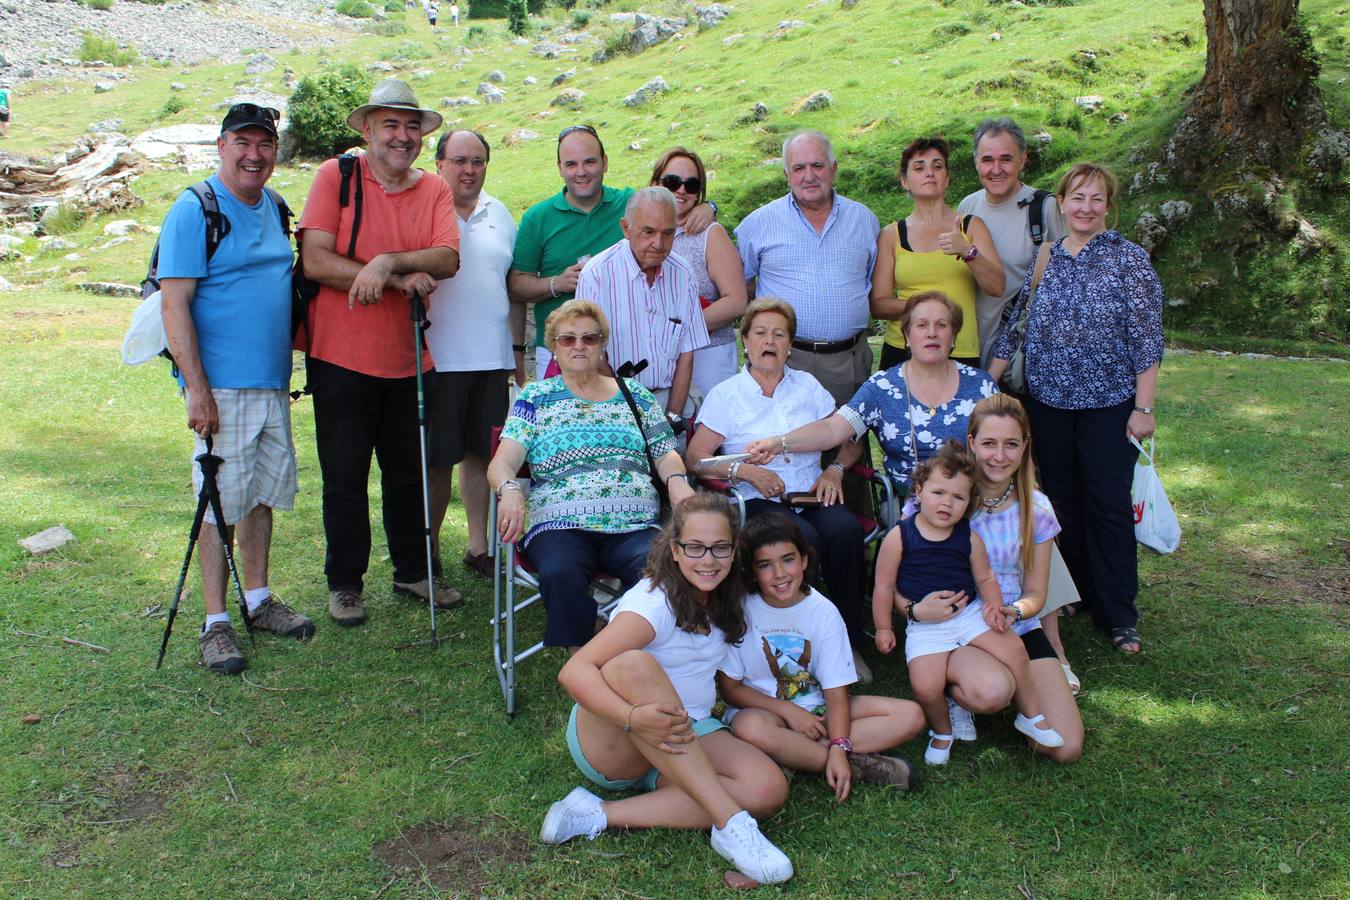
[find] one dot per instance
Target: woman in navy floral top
(1093, 346)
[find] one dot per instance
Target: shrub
(172, 107)
(394, 6)
(318, 110)
(497, 9)
(386, 28)
(580, 19)
(63, 220)
(476, 34)
(357, 9)
(95, 46)
(517, 17)
(103, 5)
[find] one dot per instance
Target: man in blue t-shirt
(228, 321)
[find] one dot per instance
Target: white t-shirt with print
(793, 654)
(691, 660)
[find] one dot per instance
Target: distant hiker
(815, 248)
(361, 360)
(432, 11)
(454, 14)
(475, 326)
(228, 321)
(5, 101)
(1019, 217)
(558, 235)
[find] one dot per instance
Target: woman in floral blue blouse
(1094, 342)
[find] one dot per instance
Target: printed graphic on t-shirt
(788, 656)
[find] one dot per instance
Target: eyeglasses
(572, 129)
(473, 162)
(672, 183)
(721, 550)
(568, 339)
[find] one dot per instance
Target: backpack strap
(902, 233)
(350, 167)
(283, 210)
(217, 226)
(1036, 216)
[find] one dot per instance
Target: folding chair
(515, 587)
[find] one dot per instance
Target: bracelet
(509, 483)
(837, 465)
(909, 612)
(684, 475)
(845, 743)
(733, 473)
(520, 348)
(782, 441)
(1018, 608)
(551, 292)
(628, 726)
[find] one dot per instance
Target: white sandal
(1046, 737)
(937, 756)
(1074, 684)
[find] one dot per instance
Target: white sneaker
(938, 756)
(579, 813)
(863, 669)
(1046, 737)
(963, 722)
(741, 844)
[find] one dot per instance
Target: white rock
(259, 63)
(461, 101)
(563, 76)
(710, 15)
(52, 244)
(496, 76)
(649, 90)
(1089, 102)
(53, 538)
(177, 86)
(121, 228)
(102, 87)
(519, 136)
(110, 289)
(491, 93)
(570, 98)
(5, 285)
(72, 257)
(10, 246)
(380, 66)
(530, 79)
(106, 126)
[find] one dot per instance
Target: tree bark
(1258, 98)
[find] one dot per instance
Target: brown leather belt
(829, 346)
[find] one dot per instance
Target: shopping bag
(1155, 523)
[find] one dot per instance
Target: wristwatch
(974, 254)
(1146, 410)
(842, 742)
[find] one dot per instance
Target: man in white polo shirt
(470, 342)
(650, 297)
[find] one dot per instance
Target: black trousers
(836, 540)
(566, 560)
(1086, 466)
(356, 415)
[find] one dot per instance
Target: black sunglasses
(672, 183)
(253, 109)
(572, 129)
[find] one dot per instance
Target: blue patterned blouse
(1095, 323)
(907, 430)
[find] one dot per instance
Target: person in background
(6, 101)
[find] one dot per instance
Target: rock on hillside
(39, 35)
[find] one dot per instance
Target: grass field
(1215, 763)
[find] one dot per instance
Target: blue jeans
(567, 560)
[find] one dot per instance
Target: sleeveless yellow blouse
(937, 271)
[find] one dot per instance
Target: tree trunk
(1259, 96)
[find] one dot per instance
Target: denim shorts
(645, 782)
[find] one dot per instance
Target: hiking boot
(345, 608)
(446, 596)
(874, 768)
(576, 815)
(742, 845)
(220, 650)
(278, 618)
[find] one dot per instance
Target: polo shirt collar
(480, 208)
(607, 195)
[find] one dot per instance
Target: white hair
(654, 194)
(814, 135)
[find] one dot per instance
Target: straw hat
(394, 94)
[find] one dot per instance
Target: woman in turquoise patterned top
(592, 505)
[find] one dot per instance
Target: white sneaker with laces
(963, 722)
(1046, 737)
(579, 813)
(742, 845)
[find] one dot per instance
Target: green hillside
(894, 68)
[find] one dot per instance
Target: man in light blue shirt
(815, 248)
(227, 316)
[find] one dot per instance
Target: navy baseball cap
(251, 115)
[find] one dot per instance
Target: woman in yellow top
(932, 249)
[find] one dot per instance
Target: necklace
(932, 409)
(1007, 492)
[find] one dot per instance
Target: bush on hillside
(317, 110)
(172, 107)
(517, 17)
(104, 5)
(64, 219)
(394, 6)
(386, 27)
(357, 9)
(496, 9)
(95, 47)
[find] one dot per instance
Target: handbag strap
(1037, 273)
(657, 483)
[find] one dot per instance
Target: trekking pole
(419, 320)
(208, 496)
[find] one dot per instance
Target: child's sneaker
(579, 813)
(1046, 737)
(963, 723)
(741, 844)
(938, 756)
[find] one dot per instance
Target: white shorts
(927, 638)
(254, 442)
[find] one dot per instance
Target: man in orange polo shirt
(361, 361)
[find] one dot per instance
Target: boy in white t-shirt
(786, 683)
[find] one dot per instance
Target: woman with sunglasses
(592, 505)
(721, 279)
(644, 692)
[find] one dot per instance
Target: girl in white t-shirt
(644, 689)
(787, 681)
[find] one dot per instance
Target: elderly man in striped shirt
(651, 299)
(815, 249)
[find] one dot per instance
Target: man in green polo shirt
(558, 235)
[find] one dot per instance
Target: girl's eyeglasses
(568, 339)
(673, 183)
(696, 551)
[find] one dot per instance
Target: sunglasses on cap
(568, 339)
(253, 110)
(673, 183)
(573, 129)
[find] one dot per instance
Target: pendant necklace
(1007, 492)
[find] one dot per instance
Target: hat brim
(431, 120)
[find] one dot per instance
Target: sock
(213, 618)
(256, 598)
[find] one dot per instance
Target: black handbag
(630, 370)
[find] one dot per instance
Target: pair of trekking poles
(209, 497)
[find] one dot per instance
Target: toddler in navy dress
(935, 550)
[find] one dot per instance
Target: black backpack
(1036, 215)
(304, 289)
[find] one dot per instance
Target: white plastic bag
(145, 339)
(1155, 524)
